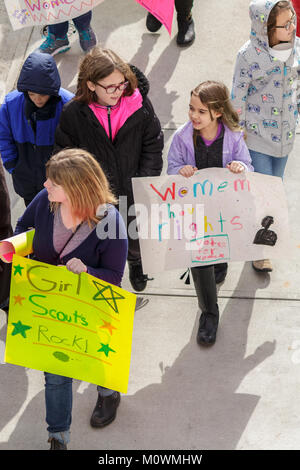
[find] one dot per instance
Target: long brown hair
(83, 180)
(278, 8)
(215, 95)
(97, 64)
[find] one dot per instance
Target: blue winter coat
(27, 132)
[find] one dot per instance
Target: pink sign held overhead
(163, 10)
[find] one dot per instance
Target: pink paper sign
(163, 10)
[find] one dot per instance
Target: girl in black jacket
(112, 118)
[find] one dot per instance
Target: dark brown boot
(105, 410)
(56, 445)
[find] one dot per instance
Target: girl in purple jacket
(211, 138)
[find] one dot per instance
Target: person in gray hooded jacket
(264, 91)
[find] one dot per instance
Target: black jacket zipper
(109, 122)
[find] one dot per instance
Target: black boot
(152, 23)
(205, 285)
(137, 278)
(105, 410)
(220, 272)
(186, 31)
(208, 327)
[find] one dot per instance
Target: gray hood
(265, 88)
(259, 11)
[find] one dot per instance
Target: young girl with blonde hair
(211, 138)
(112, 117)
(66, 217)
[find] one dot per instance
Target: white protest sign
(34, 12)
(245, 218)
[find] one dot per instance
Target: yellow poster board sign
(74, 325)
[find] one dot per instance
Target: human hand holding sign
(235, 167)
(187, 170)
(76, 266)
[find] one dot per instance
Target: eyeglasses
(287, 26)
(113, 88)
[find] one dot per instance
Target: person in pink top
(112, 117)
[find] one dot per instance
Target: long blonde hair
(83, 180)
(215, 95)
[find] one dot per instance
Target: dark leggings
(81, 23)
(183, 7)
(205, 286)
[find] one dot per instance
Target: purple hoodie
(182, 150)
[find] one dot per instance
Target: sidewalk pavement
(242, 392)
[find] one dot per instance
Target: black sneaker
(220, 272)
(105, 410)
(152, 23)
(208, 326)
(137, 278)
(186, 31)
(56, 445)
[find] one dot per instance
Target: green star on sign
(19, 328)
(18, 269)
(106, 349)
(108, 294)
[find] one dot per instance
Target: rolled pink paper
(18, 244)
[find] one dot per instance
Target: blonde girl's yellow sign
(69, 324)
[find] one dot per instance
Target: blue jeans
(268, 165)
(59, 400)
(81, 23)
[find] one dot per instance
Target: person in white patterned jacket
(264, 91)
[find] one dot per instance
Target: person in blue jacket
(28, 119)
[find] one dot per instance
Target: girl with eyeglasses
(264, 91)
(112, 117)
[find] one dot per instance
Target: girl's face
(38, 99)
(200, 116)
(56, 193)
(108, 99)
(284, 18)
